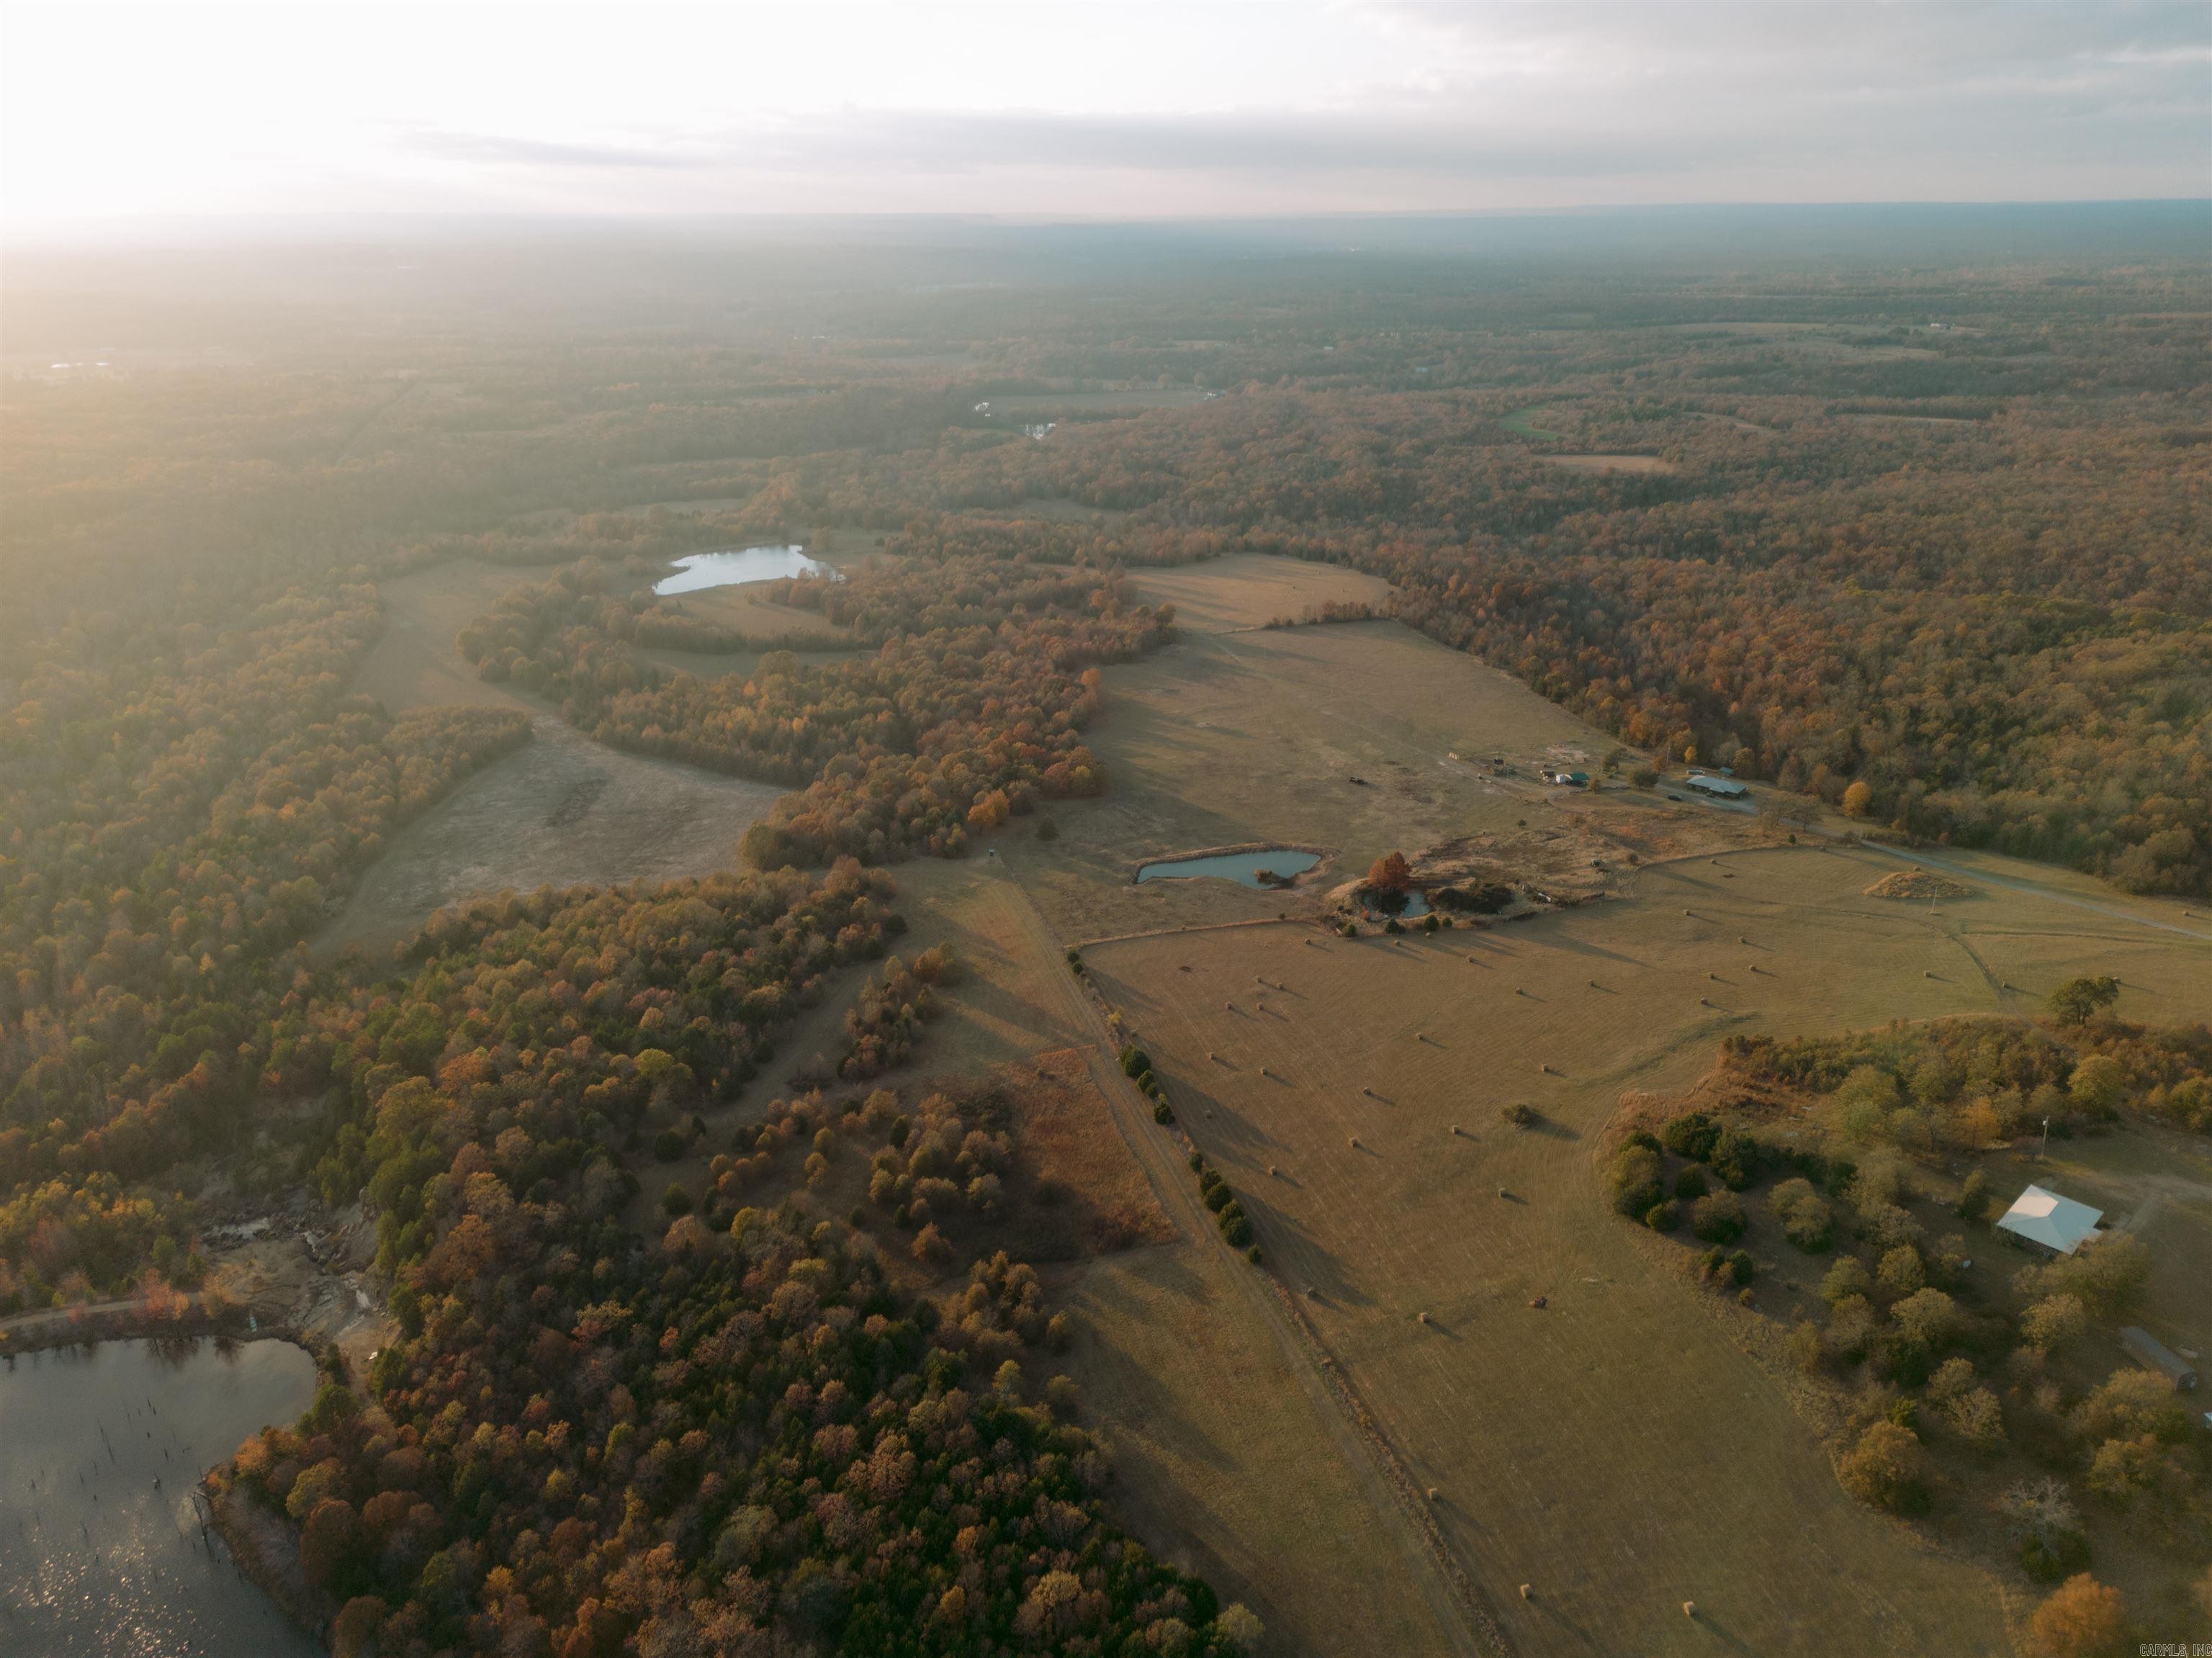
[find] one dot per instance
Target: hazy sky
(1102, 110)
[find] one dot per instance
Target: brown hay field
(1615, 1450)
(413, 664)
(1233, 738)
(1607, 463)
(563, 811)
(1249, 590)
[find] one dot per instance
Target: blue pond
(734, 566)
(1241, 867)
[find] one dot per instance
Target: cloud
(485, 150)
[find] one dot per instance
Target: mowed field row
(1614, 1449)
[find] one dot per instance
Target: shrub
(1135, 1062)
(2082, 1618)
(2048, 1528)
(1236, 1225)
(1727, 1269)
(1974, 1203)
(1662, 1217)
(667, 1146)
(1693, 1135)
(1162, 1113)
(2051, 1322)
(1887, 1469)
(2107, 1276)
(1520, 1115)
(1691, 1184)
(1806, 1220)
(1929, 1320)
(675, 1200)
(1718, 1217)
(1902, 1271)
(1633, 1180)
(2080, 1000)
(1737, 1158)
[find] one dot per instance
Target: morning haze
(1106, 830)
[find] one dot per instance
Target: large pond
(101, 1546)
(735, 566)
(1242, 867)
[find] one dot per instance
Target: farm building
(2050, 1221)
(1562, 774)
(1724, 788)
(2154, 1355)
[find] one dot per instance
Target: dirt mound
(1918, 883)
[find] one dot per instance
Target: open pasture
(413, 663)
(1337, 737)
(1249, 590)
(562, 811)
(1614, 1449)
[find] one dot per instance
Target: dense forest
(593, 1438)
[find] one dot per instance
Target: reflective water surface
(734, 566)
(101, 1546)
(1241, 867)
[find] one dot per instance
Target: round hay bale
(1689, 1608)
(1528, 1591)
(1502, 1193)
(1270, 1171)
(1433, 1493)
(1355, 1142)
(1420, 1318)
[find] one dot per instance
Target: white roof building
(2059, 1224)
(1726, 787)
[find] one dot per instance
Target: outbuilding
(1721, 788)
(2153, 1354)
(2050, 1221)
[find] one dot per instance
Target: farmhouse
(2050, 1221)
(2154, 1355)
(1724, 788)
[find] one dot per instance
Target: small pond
(97, 1556)
(1416, 904)
(734, 566)
(1241, 867)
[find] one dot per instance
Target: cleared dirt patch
(563, 812)
(1920, 883)
(1607, 463)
